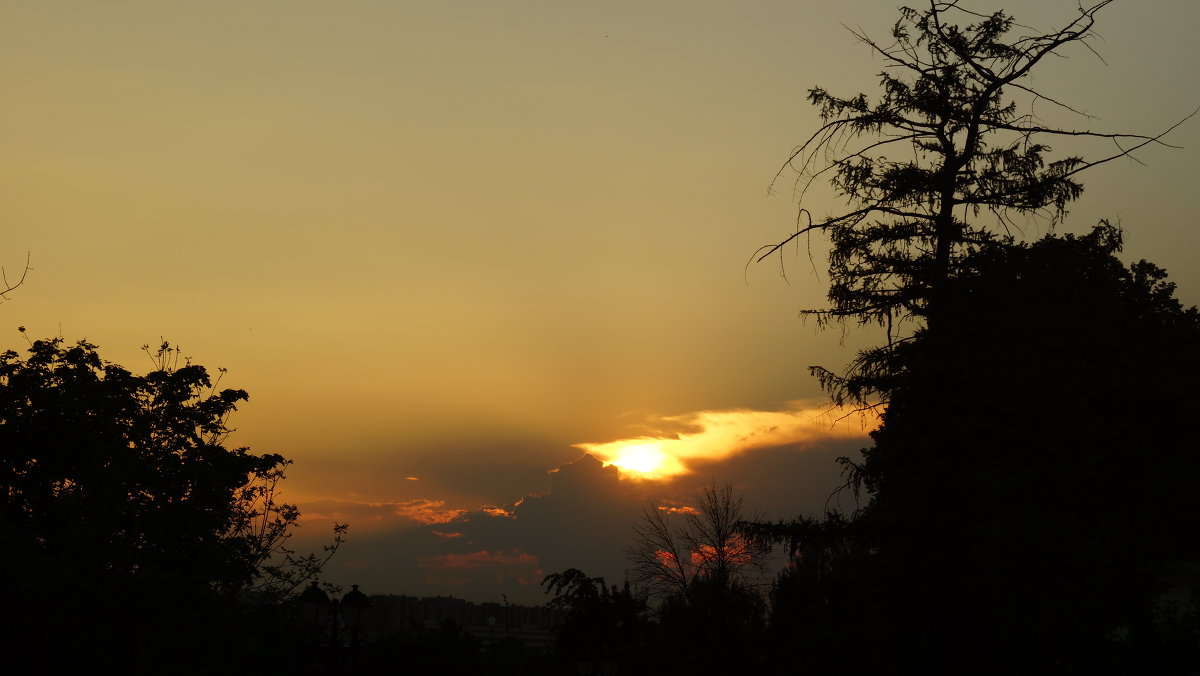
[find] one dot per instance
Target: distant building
(533, 625)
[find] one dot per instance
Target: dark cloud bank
(585, 520)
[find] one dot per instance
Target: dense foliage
(604, 624)
(946, 160)
(132, 534)
(1029, 499)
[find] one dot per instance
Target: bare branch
(12, 286)
(709, 547)
(903, 237)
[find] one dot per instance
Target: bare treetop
(709, 547)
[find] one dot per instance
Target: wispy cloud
(782, 460)
(513, 565)
(705, 436)
(373, 515)
(427, 511)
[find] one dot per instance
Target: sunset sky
(448, 247)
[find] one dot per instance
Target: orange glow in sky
(644, 458)
(438, 243)
(715, 435)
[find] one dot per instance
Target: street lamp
(355, 606)
(317, 611)
(315, 608)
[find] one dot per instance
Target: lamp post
(317, 611)
(355, 607)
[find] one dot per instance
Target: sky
(449, 247)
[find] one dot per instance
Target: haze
(448, 247)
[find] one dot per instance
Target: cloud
(377, 515)
(782, 462)
(678, 509)
(427, 511)
(683, 442)
(498, 566)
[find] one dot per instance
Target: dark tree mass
(1029, 503)
(132, 535)
(950, 158)
(706, 575)
(1031, 491)
(1028, 486)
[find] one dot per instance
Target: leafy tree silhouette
(1027, 506)
(133, 536)
(949, 159)
(1022, 493)
(604, 625)
(1024, 510)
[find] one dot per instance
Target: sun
(644, 458)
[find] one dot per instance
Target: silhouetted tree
(951, 138)
(1022, 491)
(826, 603)
(1022, 513)
(669, 558)
(133, 537)
(1028, 510)
(605, 624)
(707, 574)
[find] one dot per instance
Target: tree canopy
(707, 575)
(604, 623)
(119, 494)
(950, 157)
(1029, 498)
(1027, 505)
(1022, 489)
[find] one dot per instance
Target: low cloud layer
(683, 443)
(497, 566)
(783, 462)
(372, 515)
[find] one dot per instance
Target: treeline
(1029, 503)
(1029, 506)
(1029, 500)
(136, 541)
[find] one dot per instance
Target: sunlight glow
(681, 509)
(645, 458)
(709, 436)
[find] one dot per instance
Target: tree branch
(12, 286)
